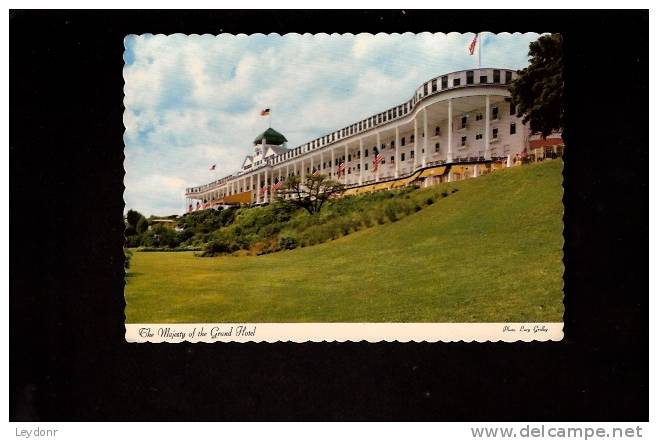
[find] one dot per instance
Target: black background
(68, 357)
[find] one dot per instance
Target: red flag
(471, 47)
(377, 159)
(341, 169)
(264, 112)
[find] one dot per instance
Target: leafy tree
(142, 225)
(538, 90)
(310, 194)
(132, 217)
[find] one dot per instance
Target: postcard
(306, 188)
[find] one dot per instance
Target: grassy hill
(491, 252)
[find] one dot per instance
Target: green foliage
(288, 242)
(132, 217)
(127, 255)
(142, 225)
(490, 252)
(538, 90)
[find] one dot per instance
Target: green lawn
(492, 252)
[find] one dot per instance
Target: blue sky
(194, 101)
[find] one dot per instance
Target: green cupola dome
(271, 137)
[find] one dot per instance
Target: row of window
(393, 113)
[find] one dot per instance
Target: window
(411, 154)
(484, 79)
(392, 144)
(366, 153)
(349, 157)
(392, 158)
(424, 89)
(411, 139)
(389, 114)
(402, 142)
(437, 147)
(402, 157)
(512, 109)
(512, 128)
(495, 134)
(395, 112)
(494, 113)
(433, 85)
(358, 154)
(508, 76)
(463, 126)
(366, 165)
(437, 131)
(478, 117)
(444, 82)
(349, 170)
(358, 167)
(496, 75)
(463, 141)
(404, 108)
(478, 136)
(469, 77)
(359, 126)
(456, 82)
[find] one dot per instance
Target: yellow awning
(435, 171)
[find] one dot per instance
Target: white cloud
(193, 101)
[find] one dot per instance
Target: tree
(142, 225)
(310, 194)
(132, 217)
(537, 91)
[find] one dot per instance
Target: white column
(426, 137)
(311, 169)
(449, 154)
(397, 151)
(345, 165)
(379, 146)
(487, 151)
(333, 160)
(251, 188)
(258, 188)
(267, 189)
(321, 162)
(303, 170)
(476, 170)
(360, 161)
(416, 142)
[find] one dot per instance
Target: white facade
(411, 136)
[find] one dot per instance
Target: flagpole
(479, 51)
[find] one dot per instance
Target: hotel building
(455, 126)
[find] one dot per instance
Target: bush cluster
(280, 226)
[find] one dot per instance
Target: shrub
(429, 200)
(288, 242)
(127, 256)
(391, 212)
(444, 193)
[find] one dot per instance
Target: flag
(277, 185)
(316, 172)
(212, 167)
(263, 189)
(265, 112)
(341, 169)
(471, 47)
(377, 159)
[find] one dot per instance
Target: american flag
(341, 169)
(316, 172)
(377, 159)
(277, 185)
(471, 47)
